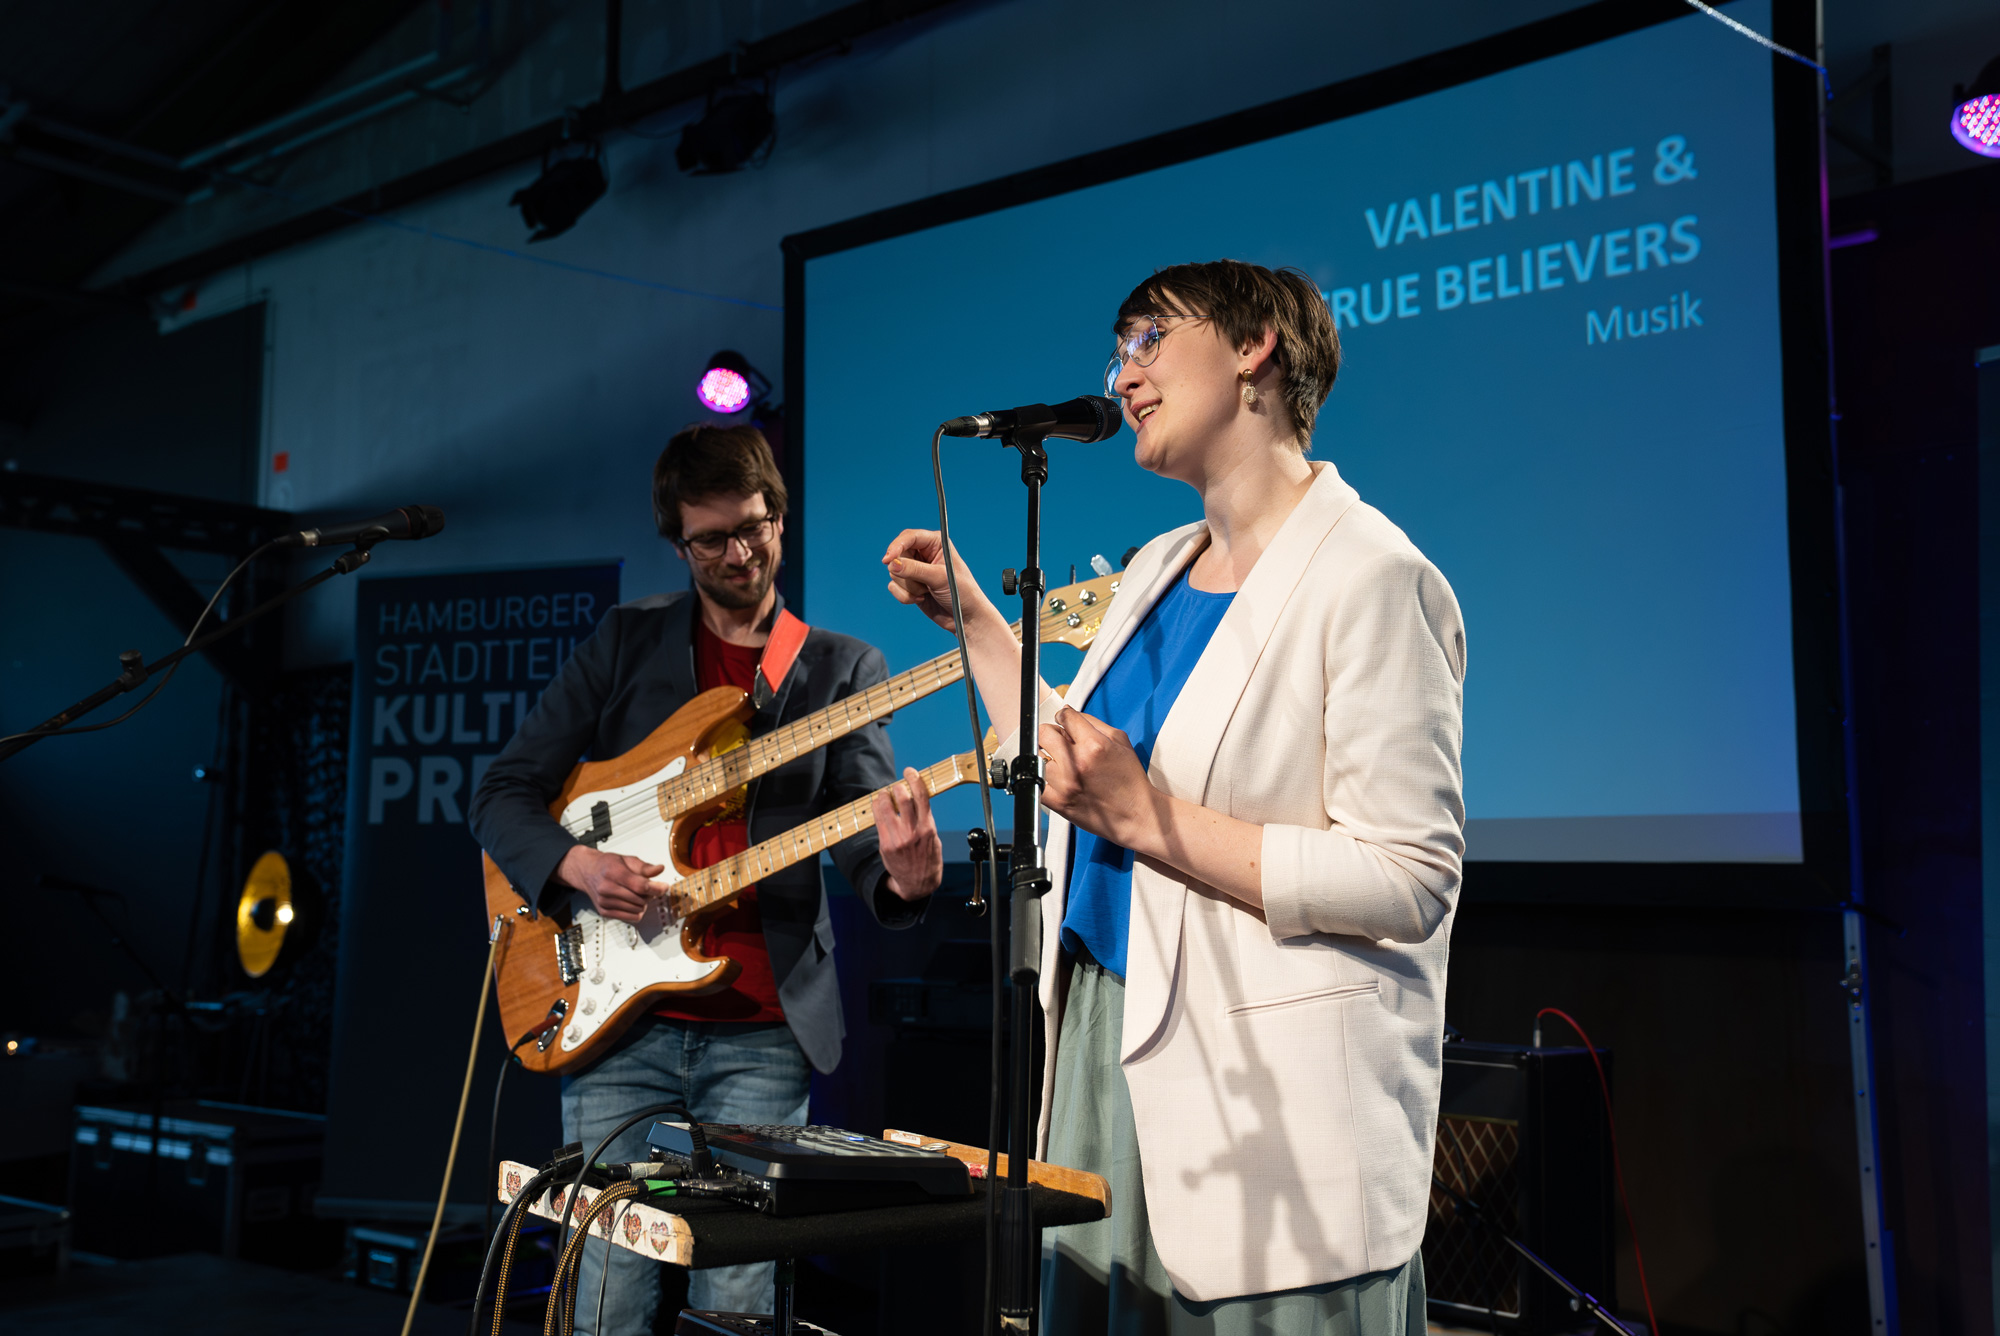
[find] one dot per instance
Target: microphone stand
(1019, 1288)
(137, 670)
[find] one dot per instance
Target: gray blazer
(623, 682)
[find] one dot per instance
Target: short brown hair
(705, 460)
(1243, 300)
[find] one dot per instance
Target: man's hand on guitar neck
(911, 849)
(619, 885)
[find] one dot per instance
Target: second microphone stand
(137, 672)
(1020, 1253)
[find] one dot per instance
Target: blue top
(1135, 694)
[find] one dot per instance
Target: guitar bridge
(569, 954)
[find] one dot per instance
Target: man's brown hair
(705, 460)
(1242, 301)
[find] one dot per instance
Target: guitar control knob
(589, 1005)
(597, 975)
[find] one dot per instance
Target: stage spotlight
(567, 186)
(729, 384)
(734, 127)
(1975, 121)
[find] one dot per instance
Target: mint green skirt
(1104, 1279)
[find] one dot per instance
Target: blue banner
(445, 668)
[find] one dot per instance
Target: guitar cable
(511, 1221)
(560, 1319)
(457, 1126)
(493, 1123)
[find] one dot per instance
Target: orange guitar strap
(787, 635)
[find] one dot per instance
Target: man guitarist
(742, 1054)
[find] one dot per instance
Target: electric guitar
(577, 980)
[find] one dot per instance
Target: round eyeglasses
(1139, 343)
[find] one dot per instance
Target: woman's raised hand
(916, 576)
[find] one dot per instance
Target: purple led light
(1976, 124)
(723, 390)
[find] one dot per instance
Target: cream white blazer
(1284, 1067)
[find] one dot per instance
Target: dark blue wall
(111, 401)
(1911, 310)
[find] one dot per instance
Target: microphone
(410, 522)
(1087, 418)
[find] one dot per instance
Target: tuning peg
(1100, 565)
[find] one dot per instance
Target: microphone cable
(995, 1114)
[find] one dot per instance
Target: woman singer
(1255, 844)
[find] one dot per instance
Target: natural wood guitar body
(528, 962)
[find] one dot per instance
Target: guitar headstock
(964, 768)
(1071, 615)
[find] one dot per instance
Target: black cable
(704, 1166)
(160, 686)
(493, 1136)
(603, 1275)
(523, 1199)
(995, 1100)
(995, 1107)
(965, 654)
(493, 1126)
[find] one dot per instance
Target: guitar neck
(746, 869)
(1071, 615)
(766, 752)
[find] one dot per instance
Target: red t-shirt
(739, 932)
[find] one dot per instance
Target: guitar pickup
(600, 825)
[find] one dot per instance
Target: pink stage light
(723, 390)
(1975, 121)
(1976, 124)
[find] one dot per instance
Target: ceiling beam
(829, 32)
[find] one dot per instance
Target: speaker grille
(1465, 1264)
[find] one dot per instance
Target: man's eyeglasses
(709, 546)
(1141, 344)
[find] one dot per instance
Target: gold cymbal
(265, 913)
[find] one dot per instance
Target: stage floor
(197, 1294)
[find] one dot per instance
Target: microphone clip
(357, 556)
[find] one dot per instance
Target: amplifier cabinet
(1521, 1132)
(213, 1177)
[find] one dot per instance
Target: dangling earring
(1249, 390)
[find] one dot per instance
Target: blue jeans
(725, 1072)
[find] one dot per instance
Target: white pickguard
(619, 959)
